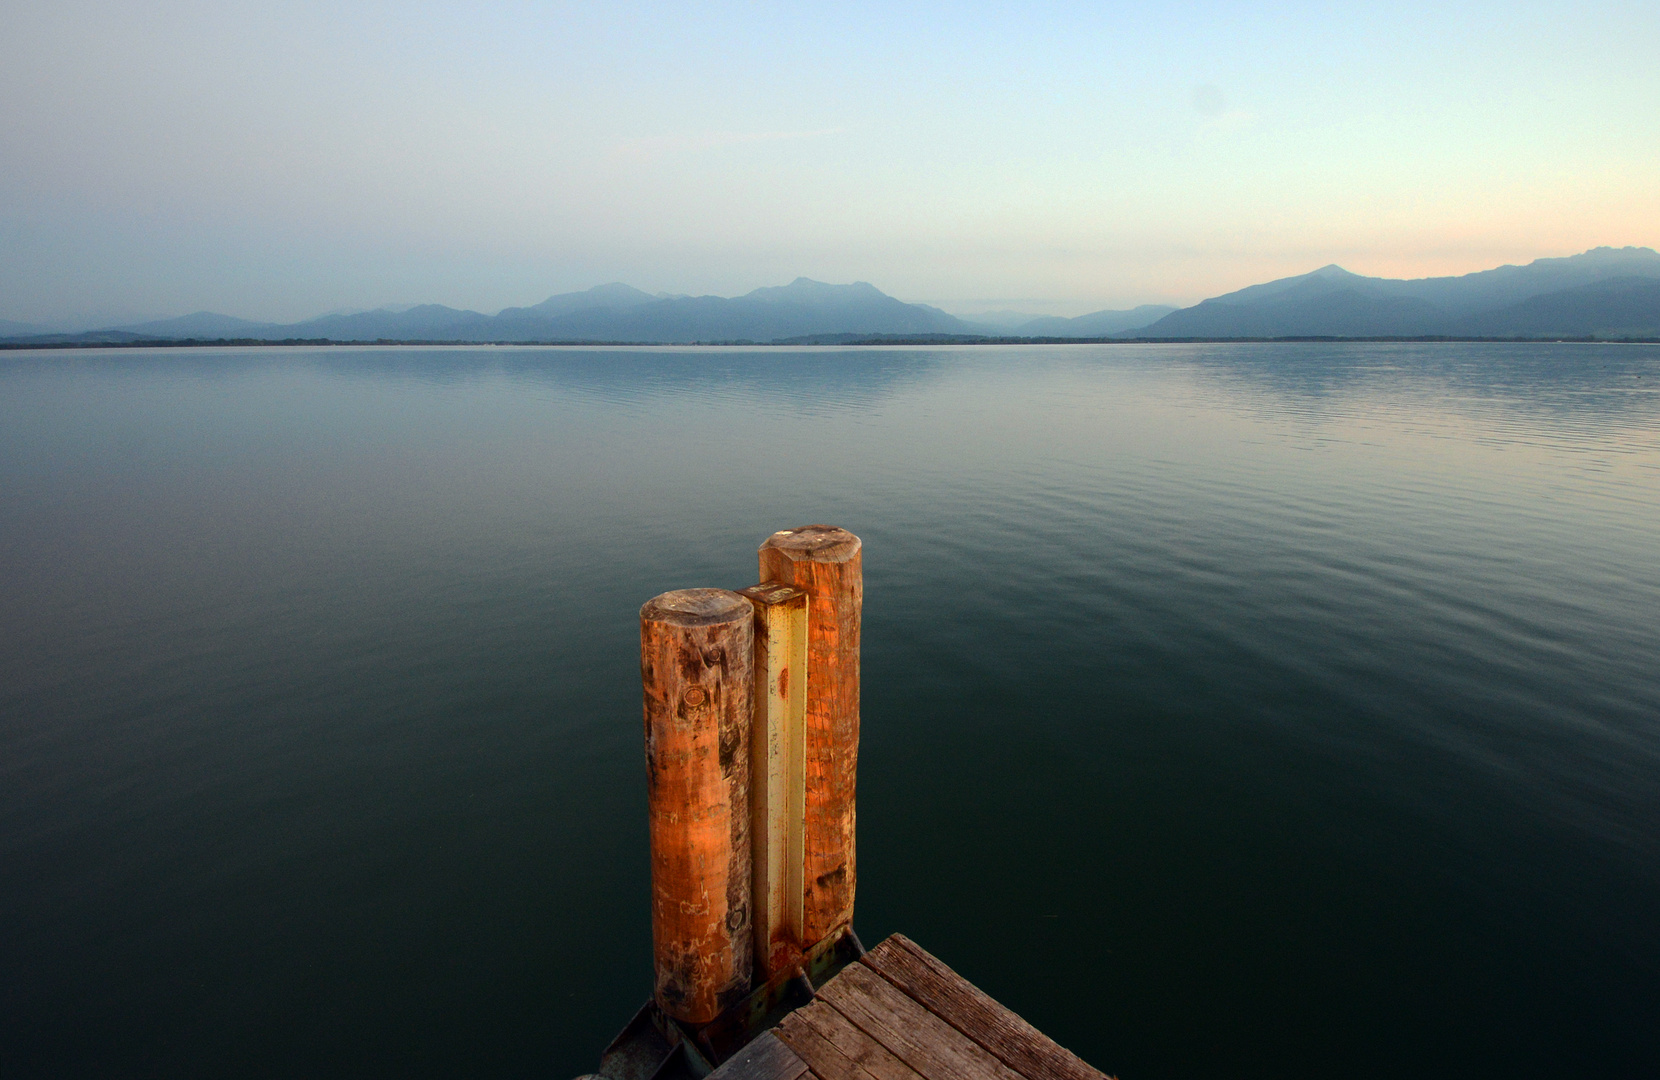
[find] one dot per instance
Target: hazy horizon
(276, 164)
(992, 319)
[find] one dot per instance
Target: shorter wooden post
(777, 782)
(696, 670)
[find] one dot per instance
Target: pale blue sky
(274, 161)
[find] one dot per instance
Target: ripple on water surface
(1277, 710)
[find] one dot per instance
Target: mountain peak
(1602, 291)
(1613, 254)
(612, 294)
(807, 284)
(806, 290)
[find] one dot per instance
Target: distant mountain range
(1605, 293)
(1096, 324)
(614, 312)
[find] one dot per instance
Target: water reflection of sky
(1311, 687)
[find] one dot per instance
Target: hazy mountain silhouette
(1328, 302)
(85, 337)
(1333, 302)
(423, 322)
(800, 308)
(1621, 307)
(614, 295)
(1095, 324)
(531, 323)
(201, 324)
(1606, 292)
(1000, 322)
(614, 312)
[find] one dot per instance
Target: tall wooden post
(696, 650)
(824, 562)
(777, 774)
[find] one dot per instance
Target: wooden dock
(898, 1013)
(751, 709)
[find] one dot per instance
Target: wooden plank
(765, 1058)
(777, 782)
(952, 998)
(821, 1055)
(834, 1037)
(917, 1037)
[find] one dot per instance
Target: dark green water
(1269, 711)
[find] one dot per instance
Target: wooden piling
(825, 563)
(777, 775)
(752, 734)
(696, 649)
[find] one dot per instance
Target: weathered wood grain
(826, 1061)
(826, 563)
(914, 1035)
(947, 995)
(819, 1025)
(777, 774)
(695, 670)
(765, 1058)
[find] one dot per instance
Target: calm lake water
(1229, 711)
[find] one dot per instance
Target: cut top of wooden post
(814, 543)
(695, 607)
